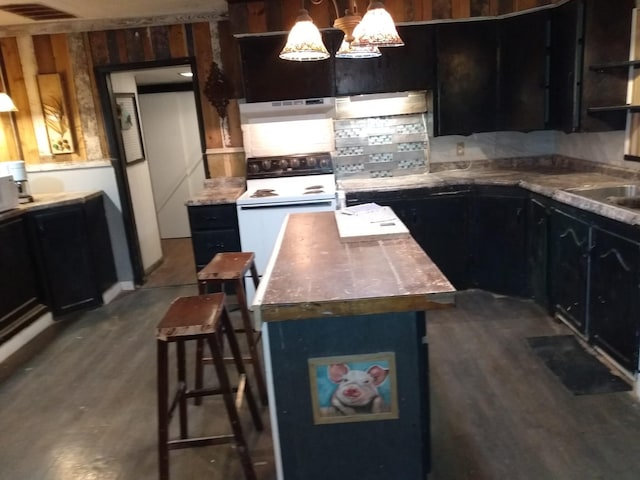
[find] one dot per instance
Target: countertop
(47, 200)
(548, 180)
(217, 191)
(312, 274)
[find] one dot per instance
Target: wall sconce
(361, 38)
(7, 106)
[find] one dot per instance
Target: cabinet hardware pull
(621, 261)
(576, 240)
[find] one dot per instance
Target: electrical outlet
(460, 148)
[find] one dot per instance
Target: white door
(172, 140)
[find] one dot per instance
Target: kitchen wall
(139, 179)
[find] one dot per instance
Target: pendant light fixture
(304, 43)
(362, 36)
(349, 50)
(377, 28)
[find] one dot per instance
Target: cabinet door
(606, 40)
(214, 229)
(209, 242)
(615, 297)
(466, 99)
(411, 67)
(442, 230)
(100, 243)
(523, 70)
(498, 251)
(568, 268)
(538, 252)
(565, 73)
(18, 289)
(267, 77)
(65, 259)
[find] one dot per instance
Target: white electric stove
(277, 186)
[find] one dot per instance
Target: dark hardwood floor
(80, 403)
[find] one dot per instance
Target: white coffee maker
(17, 170)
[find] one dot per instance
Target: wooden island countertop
(311, 274)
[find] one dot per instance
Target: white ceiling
(116, 9)
(155, 76)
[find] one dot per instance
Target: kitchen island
(345, 347)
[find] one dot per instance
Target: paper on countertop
(371, 212)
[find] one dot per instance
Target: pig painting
(356, 390)
(353, 388)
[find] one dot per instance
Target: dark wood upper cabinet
(467, 72)
(605, 76)
(267, 77)
(399, 69)
(523, 81)
(565, 66)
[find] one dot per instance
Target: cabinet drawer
(207, 244)
(211, 217)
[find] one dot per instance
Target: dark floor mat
(577, 369)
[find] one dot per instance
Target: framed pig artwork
(353, 388)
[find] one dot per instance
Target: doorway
(153, 190)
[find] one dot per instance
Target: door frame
(116, 147)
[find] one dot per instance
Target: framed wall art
(129, 125)
(56, 114)
(353, 388)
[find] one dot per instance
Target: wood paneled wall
(57, 53)
(249, 16)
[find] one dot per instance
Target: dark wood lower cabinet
(614, 320)
(20, 302)
(498, 249)
(73, 254)
(538, 251)
(580, 266)
(569, 268)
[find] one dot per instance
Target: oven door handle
(290, 206)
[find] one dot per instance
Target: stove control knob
(266, 164)
(254, 168)
(284, 164)
(324, 162)
(295, 163)
(311, 162)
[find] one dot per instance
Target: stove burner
(311, 192)
(264, 192)
(314, 187)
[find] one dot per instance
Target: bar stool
(201, 318)
(231, 267)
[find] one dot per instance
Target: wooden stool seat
(231, 268)
(202, 318)
(227, 266)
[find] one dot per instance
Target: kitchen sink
(627, 196)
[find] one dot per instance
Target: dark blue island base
(346, 353)
(355, 446)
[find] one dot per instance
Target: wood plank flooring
(177, 267)
(81, 403)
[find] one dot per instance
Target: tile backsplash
(387, 146)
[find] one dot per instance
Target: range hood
(381, 104)
(285, 110)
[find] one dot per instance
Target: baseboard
(25, 335)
